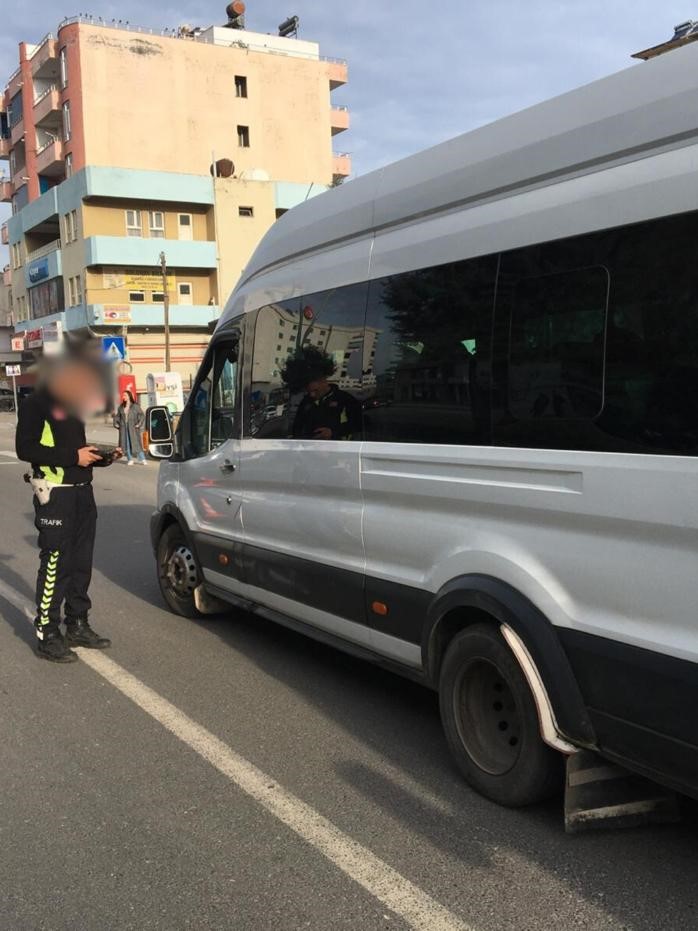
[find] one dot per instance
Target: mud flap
(208, 604)
(601, 795)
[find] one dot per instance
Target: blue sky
(419, 72)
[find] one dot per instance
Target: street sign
(114, 348)
(13, 370)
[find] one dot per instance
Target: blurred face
(317, 389)
(78, 388)
(126, 398)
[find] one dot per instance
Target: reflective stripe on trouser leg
(48, 590)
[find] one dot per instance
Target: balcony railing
(4, 235)
(5, 192)
(49, 157)
(44, 250)
(45, 92)
(167, 34)
(339, 120)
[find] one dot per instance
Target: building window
(246, 211)
(157, 224)
(63, 61)
(185, 293)
(240, 85)
(244, 137)
(16, 255)
(280, 211)
(69, 165)
(78, 289)
(13, 163)
(134, 224)
(66, 122)
(157, 297)
(136, 297)
(70, 222)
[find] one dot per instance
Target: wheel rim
(488, 717)
(181, 572)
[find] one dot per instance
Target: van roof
(626, 116)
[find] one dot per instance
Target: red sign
(127, 383)
(18, 343)
(35, 339)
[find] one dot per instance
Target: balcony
(338, 73)
(44, 250)
(339, 120)
(17, 132)
(124, 251)
(49, 159)
(341, 165)
(7, 277)
(6, 192)
(4, 235)
(5, 146)
(45, 56)
(47, 105)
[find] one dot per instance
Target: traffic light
(289, 27)
(236, 15)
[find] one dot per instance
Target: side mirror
(159, 433)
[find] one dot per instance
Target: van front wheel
(178, 573)
(491, 722)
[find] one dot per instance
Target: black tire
(491, 722)
(178, 573)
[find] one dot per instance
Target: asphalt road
(229, 774)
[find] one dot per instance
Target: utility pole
(166, 305)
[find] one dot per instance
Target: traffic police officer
(51, 436)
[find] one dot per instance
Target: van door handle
(228, 466)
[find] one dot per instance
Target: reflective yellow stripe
(54, 475)
(49, 587)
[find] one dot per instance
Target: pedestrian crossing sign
(114, 348)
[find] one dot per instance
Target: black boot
(51, 646)
(78, 633)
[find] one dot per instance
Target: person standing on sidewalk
(129, 420)
(51, 436)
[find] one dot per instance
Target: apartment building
(123, 145)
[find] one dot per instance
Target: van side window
(210, 417)
(308, 367)
(428, 360)
(556, 345)
(651, 402)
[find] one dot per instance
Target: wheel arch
(475, 598)
(170, 514)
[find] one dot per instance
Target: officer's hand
(87, 456)
(117, 454)
(323, 433)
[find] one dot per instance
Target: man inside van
(326, 412)
(51, 436)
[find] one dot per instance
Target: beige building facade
(125, 145)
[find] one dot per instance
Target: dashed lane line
(406, 900)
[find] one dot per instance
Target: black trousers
(66, 526)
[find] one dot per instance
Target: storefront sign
(38, 271)
(117, 313)
(35, 339)
(17, 343)
(121, 280)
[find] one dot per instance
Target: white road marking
(418, 909)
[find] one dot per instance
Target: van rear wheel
(491, 722)
(178, 573)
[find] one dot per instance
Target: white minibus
(448, 422)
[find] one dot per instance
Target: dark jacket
(338, 411)
(50, 441)
(130, 423)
